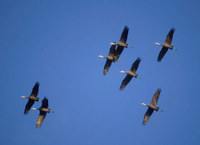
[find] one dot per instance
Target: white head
(23, 96)
(112, 43)
(34, 108)
(101, 56)
(143, 104)
(122, 71)
(157, 43)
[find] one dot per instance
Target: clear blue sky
(56, 42)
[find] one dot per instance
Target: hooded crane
(109, 59)
(121, 44)
(130, 74)
(32, 98)
(152, 106)
(166, 45)
(43, 110)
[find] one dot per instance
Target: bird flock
(43, 109)
(113, 56)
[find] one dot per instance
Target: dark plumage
(32, 98)
(152, 106)
(121, 44)
(130, 73)
(109, 59)
(43, 110)
(167, 45)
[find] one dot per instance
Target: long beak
(34, 108)
(23, 97)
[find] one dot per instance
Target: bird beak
(34, 108)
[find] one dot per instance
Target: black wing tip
(173, 29)
(159, 59)
(37, 83)
(139, 59)
(105, 73)
(122, 88)
(126, 27)
(159, 89)
(26, 112)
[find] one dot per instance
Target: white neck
(157, 43)
(101, 56)
(143, 104)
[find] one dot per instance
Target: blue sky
(57, 44)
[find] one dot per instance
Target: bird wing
(35, 89)
(155, 97)
(147, 115)
(45, 103)
(170, 36)
(135, 65)
(28, 106)
(107, 66)
(118, 53)
(125, 81)
(124, 35)
(40, 119)
(162, 53)
(112, 50)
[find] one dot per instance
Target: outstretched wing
(170, 36)
(40, 119)
(155, 97)
(124, 35)
(147, 115)
(107, 66)
(125, 81)
(45, 103)
(112, 50)
(162, 53)
(118, 53)
(28, 106)
(135, 65)
(35, 89)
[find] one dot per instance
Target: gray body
(166, 45)
(130, 74)
(32, 98)
(121, 44)
(43, 110)
(152, 106)
(109, 60)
